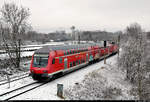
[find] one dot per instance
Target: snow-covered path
(48, 91)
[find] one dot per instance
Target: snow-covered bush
(93, 87)
(7, 68)
(111, 93)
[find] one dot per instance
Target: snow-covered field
(30, 47)
(23, 54)
(49, 91)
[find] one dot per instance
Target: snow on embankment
(108, 82)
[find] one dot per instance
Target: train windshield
(40, 60)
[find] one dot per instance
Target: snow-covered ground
(23, 54)
(30, 47)
(49, 91)
(16, 84)
(109, 83)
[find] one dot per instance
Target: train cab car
(40, 64)
(51, 60)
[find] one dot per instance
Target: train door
(65, 63)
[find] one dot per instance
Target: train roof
(48, 48)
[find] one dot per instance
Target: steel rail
(14, 77)
(13, 80)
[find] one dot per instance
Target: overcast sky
(110, 15)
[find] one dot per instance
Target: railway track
(16, 92)
(15, 78)
(5, 82)
(23, 89)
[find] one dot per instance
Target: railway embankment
(11, 71)
(105, 83)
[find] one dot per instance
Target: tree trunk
(18, 54)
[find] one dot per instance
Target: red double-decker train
(55, 60)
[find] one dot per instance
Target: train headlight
(45, 71)
(32, 71)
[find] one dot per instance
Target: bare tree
(14, 19)
(133, 57)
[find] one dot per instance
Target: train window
(86, 57)
(64, 53)
(60, 59)
(74, 63)
(53, 61)
(70, 52)
(73, 51)
(70, 64)
(79, 61)
(40, 60)
(67, 52)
